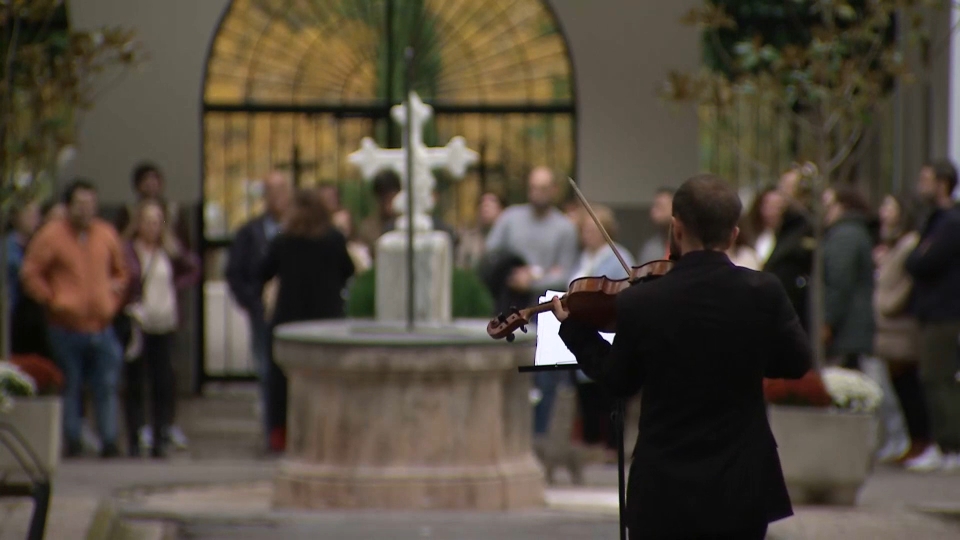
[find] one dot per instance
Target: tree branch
(844, 151)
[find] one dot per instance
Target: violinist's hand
(558, 310)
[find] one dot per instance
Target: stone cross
(455, 157)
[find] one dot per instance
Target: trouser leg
(105, 373)
(157, 353)
(938, 353)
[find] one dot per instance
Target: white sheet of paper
(550, 348)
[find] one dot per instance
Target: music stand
(617, 420)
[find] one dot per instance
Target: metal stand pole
(618, 417)
(408, 129)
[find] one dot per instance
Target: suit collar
(704, 257)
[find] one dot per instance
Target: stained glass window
(296, 84)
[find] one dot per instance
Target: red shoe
(916, 448)
(278, 439)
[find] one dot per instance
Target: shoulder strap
(146, 269)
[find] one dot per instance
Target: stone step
(209, 426)
(223, 423)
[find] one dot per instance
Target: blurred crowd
(99, 299)
(891, 282)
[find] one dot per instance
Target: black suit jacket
(247, 253)
(699, 342)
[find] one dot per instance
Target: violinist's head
(706, 211)
(541, 188)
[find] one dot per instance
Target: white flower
(14, 383)
(852, 390)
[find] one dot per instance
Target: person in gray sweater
(539, 233)
(547, 242)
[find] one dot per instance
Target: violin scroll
(504, 326)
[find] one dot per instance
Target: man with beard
(935, 268)
(546, 241)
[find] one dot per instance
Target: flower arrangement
(46, 375)
(14, 383)
(807, 391)
(851, 390)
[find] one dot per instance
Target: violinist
(699, 340)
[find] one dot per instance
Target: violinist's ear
(733, 236)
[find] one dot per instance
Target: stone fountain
(385, 417)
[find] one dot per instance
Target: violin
(590, 300)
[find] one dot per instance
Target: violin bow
(596, 220)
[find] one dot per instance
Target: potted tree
(829, 413)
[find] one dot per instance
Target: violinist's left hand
(558, 310)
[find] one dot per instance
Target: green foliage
(823, 66)
(470, 297)
(778, 26)
(411, 25)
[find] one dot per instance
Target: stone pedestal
(433, 271)
(382, 419)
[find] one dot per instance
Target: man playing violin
(698, 341)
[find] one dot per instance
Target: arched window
(296, 84)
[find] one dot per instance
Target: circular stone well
(379, 418)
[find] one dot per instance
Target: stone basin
(382, 418)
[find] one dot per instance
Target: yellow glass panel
(318, 56)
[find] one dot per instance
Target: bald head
(277, 193)
(541, 188)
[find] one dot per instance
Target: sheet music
(550, 348)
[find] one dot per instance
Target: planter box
(38, 421)
(826, 454)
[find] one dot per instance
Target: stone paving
(243, 511)
(217, 500)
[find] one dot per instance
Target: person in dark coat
(246, 255)
(28, 322)
(935, 267)
(848, 272)
(310, 261)
(699, 341)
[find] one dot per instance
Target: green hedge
(471, 300)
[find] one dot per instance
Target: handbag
(127, 322)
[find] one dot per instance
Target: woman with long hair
(897, 336)
(598, 259)
(159, 266)
(311, 265)
(782, 237)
